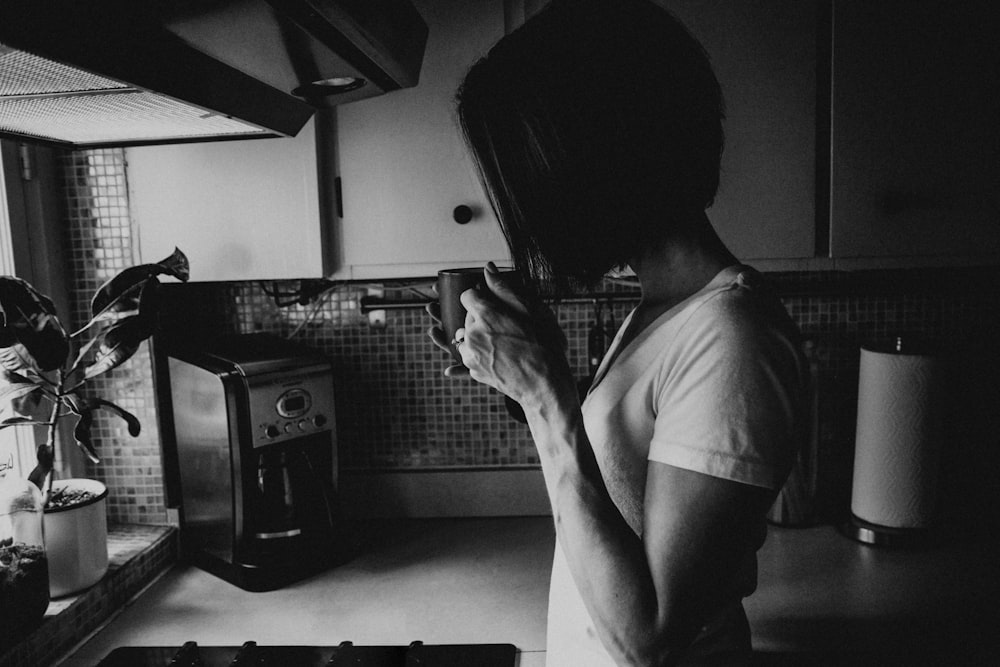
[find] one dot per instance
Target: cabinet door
(916, 143)
(764, 55)
(405, 167)
(240, 210)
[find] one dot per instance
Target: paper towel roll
(896, 448)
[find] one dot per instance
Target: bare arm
(647, 596)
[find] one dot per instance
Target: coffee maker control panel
(288, 407)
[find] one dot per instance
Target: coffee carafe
(290, 494)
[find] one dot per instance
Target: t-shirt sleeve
(728, 399)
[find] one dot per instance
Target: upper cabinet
(404, 166)
(916, 142)
(909, 164)
(765, 57)
(240, 210)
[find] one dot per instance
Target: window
(31, 213)
(17, 445)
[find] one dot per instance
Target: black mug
(450, 285)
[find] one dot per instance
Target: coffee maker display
(253, 436)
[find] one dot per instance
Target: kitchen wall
(99, 242)
(395, 410)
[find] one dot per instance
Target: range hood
(136, 72)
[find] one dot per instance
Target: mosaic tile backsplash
(98, 238)
(395, 410)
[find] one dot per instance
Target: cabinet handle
(462, 214)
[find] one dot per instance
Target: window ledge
(137, 554)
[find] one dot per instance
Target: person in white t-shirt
(597, 131)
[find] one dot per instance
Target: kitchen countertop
(820, 592)
(486, 581)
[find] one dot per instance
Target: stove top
(346, 654)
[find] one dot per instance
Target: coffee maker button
(272, 431)
(303, 425)
(288, 427)
(319, 421)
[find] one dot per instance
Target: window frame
(32, 211)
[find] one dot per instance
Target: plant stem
(55, 409)
(53, 420)
(51, 443)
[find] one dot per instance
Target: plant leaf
(45, 455)
(134, 427)
(21, 421)
(84, 408)
(29, 318)
(13, 390)
(17, 359)
(120, 341)
(120, 297)
(75, 403)
(11, 396)
(176, 265)
(146, 310)
(82, 353)
(81, 433)
(10, 377)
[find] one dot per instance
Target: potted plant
(44, 371)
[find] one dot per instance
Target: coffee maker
(254, 440)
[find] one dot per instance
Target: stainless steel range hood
(125, 73)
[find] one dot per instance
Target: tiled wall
(99, 243)
(395, 410)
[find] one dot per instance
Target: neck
(681, 265)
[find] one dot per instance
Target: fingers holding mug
(434, 310)
(459, 369)
(439, 338)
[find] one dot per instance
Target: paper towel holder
(875, 534)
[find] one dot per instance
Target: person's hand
(511, 345)
(546, 327)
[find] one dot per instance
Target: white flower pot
(76, 539)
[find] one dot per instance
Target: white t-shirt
(713, 385)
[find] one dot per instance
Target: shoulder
(739, 338)
(728, 398)
(744, 316)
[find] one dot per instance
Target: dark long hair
(595, 127)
